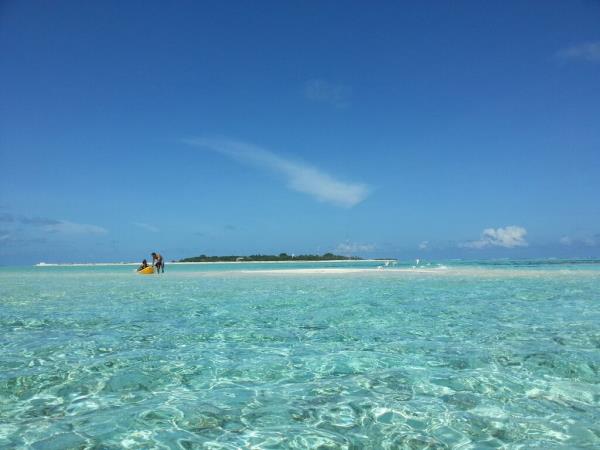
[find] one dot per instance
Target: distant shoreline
(43, 264)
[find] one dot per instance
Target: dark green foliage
(280, 257)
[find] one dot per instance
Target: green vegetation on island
(280, 257)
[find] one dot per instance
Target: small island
(280, 257)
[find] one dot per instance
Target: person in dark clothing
(158, 262)
(143, 266)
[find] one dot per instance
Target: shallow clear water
(472, 356)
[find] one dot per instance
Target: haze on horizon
(459, 130)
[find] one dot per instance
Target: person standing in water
(158, 262)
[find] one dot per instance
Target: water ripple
(101, 359)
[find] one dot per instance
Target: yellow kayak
(147, 271)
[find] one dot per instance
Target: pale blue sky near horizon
(433, 130)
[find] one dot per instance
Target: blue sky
(432, 130)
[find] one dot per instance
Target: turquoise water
(467, 355)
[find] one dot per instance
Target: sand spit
(349, 261)
(340, 270)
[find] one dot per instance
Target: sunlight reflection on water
(102, 358)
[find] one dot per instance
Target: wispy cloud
(300, 177)
(146, 226)
(423, 245)
(51, 225)
(588, 241)
(566, 240)
(39, 221)
(66, 227)
(354, 247)
(587, 51)
(508, 237)
(324, 92)
(25, 231)
(15, 239)
(6, 217)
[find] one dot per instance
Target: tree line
(280, 257)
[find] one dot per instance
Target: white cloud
(66, 227)
(325, 92)
(423, 245)
(300, 177)
(566, 240)
(589, 241)
(508, 237)
(587, 51)
(146, 226)
(353, 247)
(18, 239)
